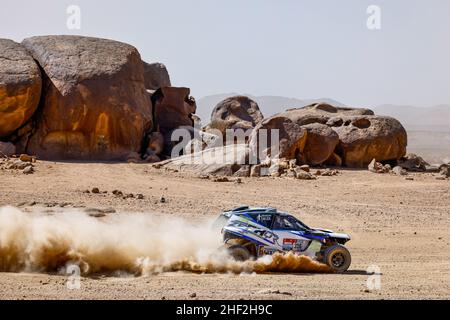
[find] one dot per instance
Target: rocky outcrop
(363, 138)
(320, 144)
(220, 161)
(413, 162)
(287, 143)
(14, 164)
(20, 87)
(173, 108)
(97, 100)
(377, 167)
(323, 113)
(292, 139)
(237, 112)
(347, 136)
(95, 105)
(156, 76)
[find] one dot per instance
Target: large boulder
(20, 86)
(237, 112)
(291, 143)
(320, 144)
(156, 76)
(364, 138)
(173, 108)
(221, 161)
(95, 104)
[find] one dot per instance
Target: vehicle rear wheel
(338, 258)
(239, 253)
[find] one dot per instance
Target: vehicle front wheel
(239, 253)
(338, 258)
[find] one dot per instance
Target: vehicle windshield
(263, 219)
(286, 222)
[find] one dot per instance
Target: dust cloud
(138, 244)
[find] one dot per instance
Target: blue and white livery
(254, 232)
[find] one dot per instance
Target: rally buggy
(249, 233)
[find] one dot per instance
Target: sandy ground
(401, 226)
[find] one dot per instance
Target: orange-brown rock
(363, 136)
(334, 160)
(291, 143)
(320, 144)
(20, 87)
(173, 108)
(95, 104)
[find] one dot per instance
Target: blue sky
(293, 48)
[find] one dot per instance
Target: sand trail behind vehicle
(140, 244)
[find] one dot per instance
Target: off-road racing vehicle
(249, 233)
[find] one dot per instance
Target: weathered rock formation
(292, 139)
(237, 112)
(363, 138)
(156, 76)
(323, 113)
(20, 87)
(225, 161)
(338, 136)
(413, 162)
(72, 97)
(95, 105)
(320, 144)
(92, 102)
(173, 108)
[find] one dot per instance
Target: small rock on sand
(96, 190)
(28, 170)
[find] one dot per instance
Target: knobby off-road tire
(338, 258)
(239, 253)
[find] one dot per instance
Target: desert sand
(401, 226)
